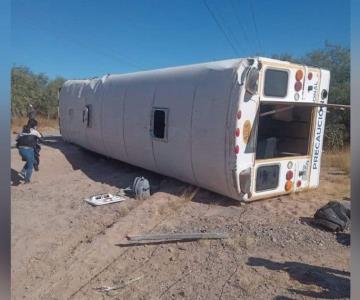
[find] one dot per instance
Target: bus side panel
(137, 119)
(93, 99)
(71, 105)
(176, 94)
(112, 118)
(209, 122)
(318, 133)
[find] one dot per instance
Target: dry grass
(17, 123)
(339, 160)
(189, 193)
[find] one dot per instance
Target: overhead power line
(255, 26)
(221, 28)
(232, 35)
(236, 9)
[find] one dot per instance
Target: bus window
(283, 133)
(87, 111)
(276, 83)
(267, 177)
(159, 120)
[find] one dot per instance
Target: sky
(82, 39)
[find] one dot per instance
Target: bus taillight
(298, 86)
(237, 149)
(289, 175)
(238, 115)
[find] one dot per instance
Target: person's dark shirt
(28, 138)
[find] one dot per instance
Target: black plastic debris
(333, 216)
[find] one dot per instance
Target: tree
(336, 59)
(52, 90)
(36, 89)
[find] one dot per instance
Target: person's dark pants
(37, 149)
(27, 154)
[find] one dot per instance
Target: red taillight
(238, 115)
(298, 183)
(289, 175)
(310, 75)
(298, 86)
(237, 132)
(299, 75)
(237, 149)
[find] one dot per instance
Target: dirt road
(63, 248)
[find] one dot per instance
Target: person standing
(37, 148)
(26, 142)
(31, 112)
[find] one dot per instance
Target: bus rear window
(276, 83)
(267, 177)
(283, 130)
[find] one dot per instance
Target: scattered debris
(343, 238)
(108, 289)
(177, 236)
(124, 192)
(141, 188)
(333, 216)
(104, 199)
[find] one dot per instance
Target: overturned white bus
(246, 128)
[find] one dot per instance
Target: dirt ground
(63, 248)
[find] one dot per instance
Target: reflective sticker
(246, 131)
(288, 185)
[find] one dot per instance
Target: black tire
(347, 206)
(340, 211)
(327, 213)
(327, 224)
